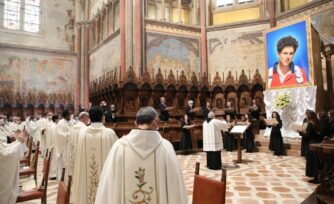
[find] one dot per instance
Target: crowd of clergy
(142, 164)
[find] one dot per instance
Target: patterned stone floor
(262, 178)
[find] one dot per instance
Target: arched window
(24, 15)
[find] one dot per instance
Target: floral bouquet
(282, 100)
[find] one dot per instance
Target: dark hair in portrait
(288, 41)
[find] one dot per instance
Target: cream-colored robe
(93, 147)
(212, 135)
(10, 156)
(3, 134)
(50, 135)
(32, 129)
(143, 164)
(42, 124)
(62, 134)
(72, 146)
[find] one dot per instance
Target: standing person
(249, 137)
(94, 144)
(276, 140)
(164, 110)
(331, 122)
(73, 140)
(62, 134)
(230, 140)
(206, 110)
(324, 125)
(230, 110)
(304, 147)
(142, 162)
(190, 110)
(186, 143)
(312, 160)
(213, 141)
(111, 115)
(255, 110)
(10, 156)
(50, 138)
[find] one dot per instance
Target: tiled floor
(262, 179)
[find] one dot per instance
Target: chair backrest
(30, 151)
(63, 196)
(35, 157)
(209, 191)
(46, 168)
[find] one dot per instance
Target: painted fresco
(324, 23)
(36, 73)
(172, 52)
(105, 59)
(236, 49)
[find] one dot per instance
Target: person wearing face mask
(142, 160)
(94, 144)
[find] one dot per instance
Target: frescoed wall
(236, 49)
(23, 72)
(172, 52)
(106, 58)
(324, 23)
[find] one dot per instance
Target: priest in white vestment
(10, 156)
(94, 144)
(32, 128)
(50, 137)
(73, 141)
(213, 140)
(142, 167)
(42, 124)
(62, 134)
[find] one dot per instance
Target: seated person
(164, 110)
(229, 110)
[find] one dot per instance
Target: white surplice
(141, 164)
(62, 134)
(94, 144)
(32, 128)
(10, 155)
(212, 135)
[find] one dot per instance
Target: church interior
(216, 57)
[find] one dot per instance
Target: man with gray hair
(142, 163)
(213, 141)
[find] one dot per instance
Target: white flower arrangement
(282, 100)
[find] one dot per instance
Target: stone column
(78, 81)
(163, 16)
(204, 55)
(129, 19)
(271, 12)
(194, 18)
(96, 30)
(179, 8)
(138, 29)
(101, 26)
(122, 38)
(87, 65)
(113, 10)
(328, 52)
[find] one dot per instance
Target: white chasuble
(141, 168)
(139, 177)
(93, 147)
(72, 146)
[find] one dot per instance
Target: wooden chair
(63, 196)
(41, 192)
(27, 159)
(31, 169)
(208, 191)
